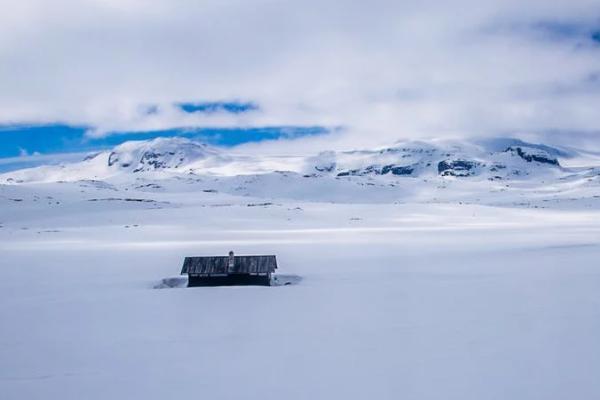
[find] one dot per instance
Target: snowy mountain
(499, 159)
(501, 172)
(133, 157)
(160, 153)
(445, 159)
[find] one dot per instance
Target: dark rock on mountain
(91, 156)
(457, 167)
(113, 158)
(537, 156)
(397, 170)
(325, 168)
(376, 170)
(497, 167)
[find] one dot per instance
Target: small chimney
(231, 262)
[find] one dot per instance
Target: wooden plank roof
(219, 265)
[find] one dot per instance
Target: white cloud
(384, 69)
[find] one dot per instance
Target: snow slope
(420, 286)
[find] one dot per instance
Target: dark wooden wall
(229, 280)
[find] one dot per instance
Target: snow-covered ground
(413, 287)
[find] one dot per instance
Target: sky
(79, 75)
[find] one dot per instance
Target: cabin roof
(219, 265)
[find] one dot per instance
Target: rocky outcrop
(377, 170)
(533, 155)
(397, 170)
(457, 167)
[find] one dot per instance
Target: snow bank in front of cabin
(172, 283)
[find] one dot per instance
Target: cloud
(382, 69)
(37, 159)
(25, 154)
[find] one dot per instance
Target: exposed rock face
(323, 162)
(497, 167)
(113, 158)
(155, 160)
(397, 170)
(457, 167)
(325, 168)
(533, 155)
(376, 170)
(91, 156)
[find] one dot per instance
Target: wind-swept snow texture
(428, 286)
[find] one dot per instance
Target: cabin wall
(230, 280)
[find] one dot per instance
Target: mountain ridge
(493, 159)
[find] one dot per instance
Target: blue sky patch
(211, 107)
(21, 140)
(18, 140)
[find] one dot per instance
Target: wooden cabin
(229, 270)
